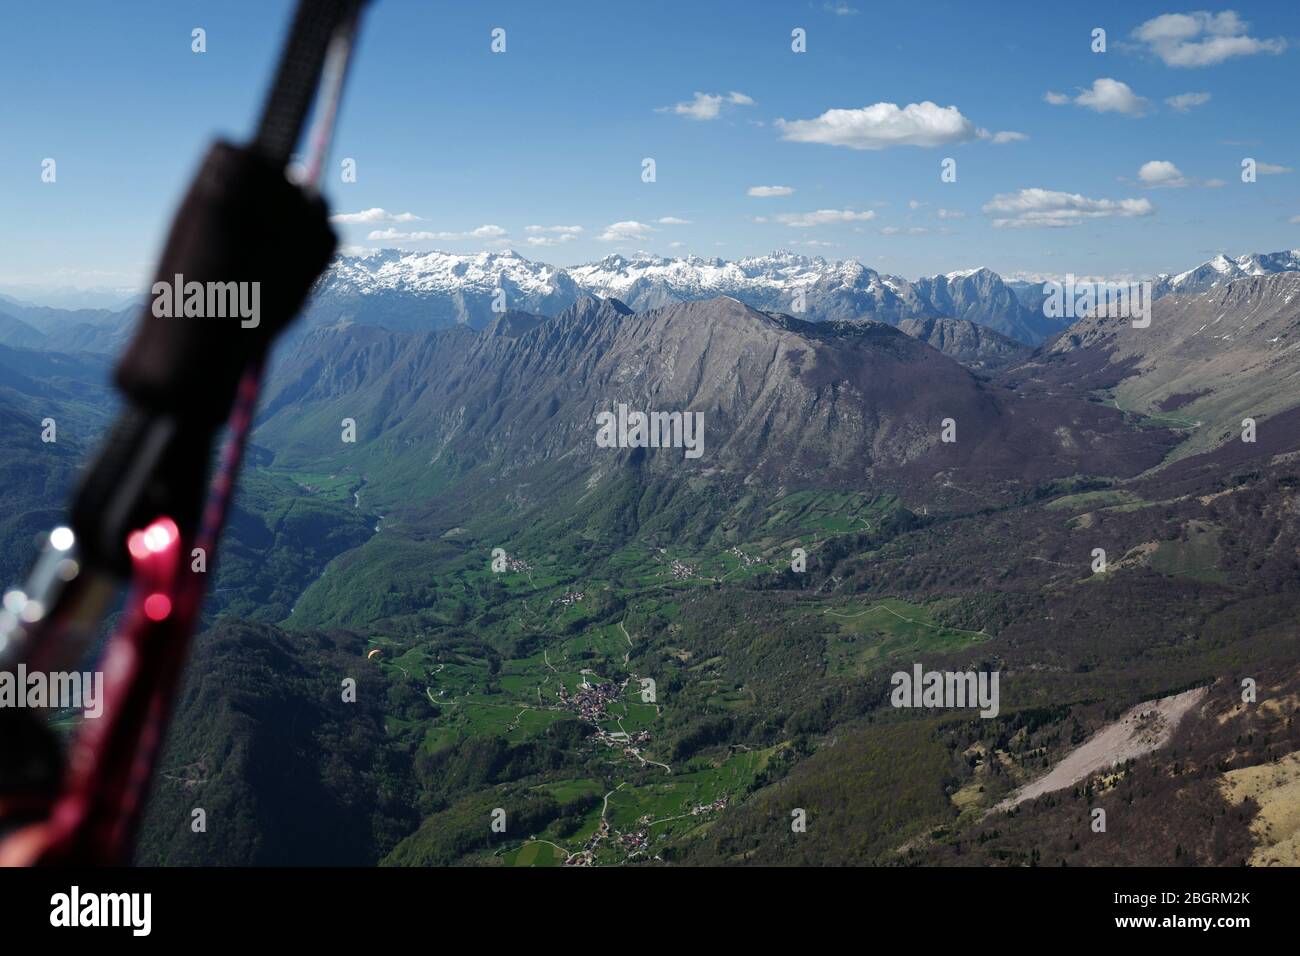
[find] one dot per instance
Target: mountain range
(825, 436)
(428, 290)
(25, 325)
(414, 290)
(1213, 272)
(376, 558)
(1223, 269)
(407, 290)
(785, 402)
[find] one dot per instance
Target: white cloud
(1202, 38)
(1031, 208)
(951, 214)
(1183, 102)
(1106, 95)
(673, 221)
(1269, 169)
(552, 235)
(883, 125)
(897, 231)
(707, 106)
(626, 230)
(820, 217)
(566, 230)
(394, 235)
(762, 192)
(1294, 220)
(1008, 136)
(1161, 172)
(841, 9)
(373, 215)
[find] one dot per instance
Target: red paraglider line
(113, 757)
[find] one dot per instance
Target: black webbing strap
(242, 225)
(298, 74)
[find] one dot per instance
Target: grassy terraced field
(863, 637)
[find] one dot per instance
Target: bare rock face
(980, 296)
(783, 402)
(974, 346)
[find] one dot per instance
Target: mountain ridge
(423, 290)
(787, 403)
(429, 289)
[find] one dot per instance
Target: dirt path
(1144, 728)
(604, 809)
(628, 655)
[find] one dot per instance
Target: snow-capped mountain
(1217, 271)
(830, 290)
(645, 281)
(1222, 269)
(815, 288)
(426, 290)
(404, 290)
(423, 290)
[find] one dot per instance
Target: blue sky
(552, 133)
